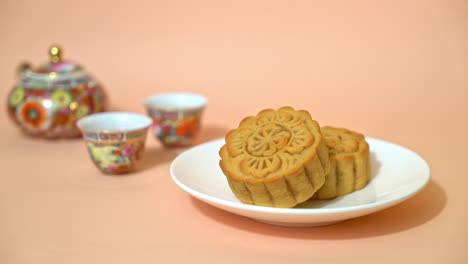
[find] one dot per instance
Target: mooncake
(349, 163)
(277, 158)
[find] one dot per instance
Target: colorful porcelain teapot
(48, 100)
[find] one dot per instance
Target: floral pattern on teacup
(176, 132)
(116, 157)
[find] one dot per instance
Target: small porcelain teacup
(176, 117)
(115, 140)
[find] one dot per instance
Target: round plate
(397, 174)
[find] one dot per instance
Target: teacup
(176, 117)
(115, 140)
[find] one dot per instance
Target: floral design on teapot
(50, 99)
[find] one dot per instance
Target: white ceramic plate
(397, 174)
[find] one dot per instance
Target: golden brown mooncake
(349, 163)
(277, 158)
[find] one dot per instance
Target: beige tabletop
(393, 70)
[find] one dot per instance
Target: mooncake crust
(277, 158)
(349, 163)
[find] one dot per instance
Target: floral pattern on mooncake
(277, 158)
(349, 163)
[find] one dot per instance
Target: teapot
(48, 100)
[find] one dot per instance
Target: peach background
(395, 70)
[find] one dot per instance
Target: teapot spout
(23, 67)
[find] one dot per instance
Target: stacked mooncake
(280, 158)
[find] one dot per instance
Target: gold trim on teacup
(173, 114)
(114, 136)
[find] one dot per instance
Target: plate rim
(298, 211)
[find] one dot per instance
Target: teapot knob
(55, 53)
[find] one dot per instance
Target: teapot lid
(56, 63)
(56, 73)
